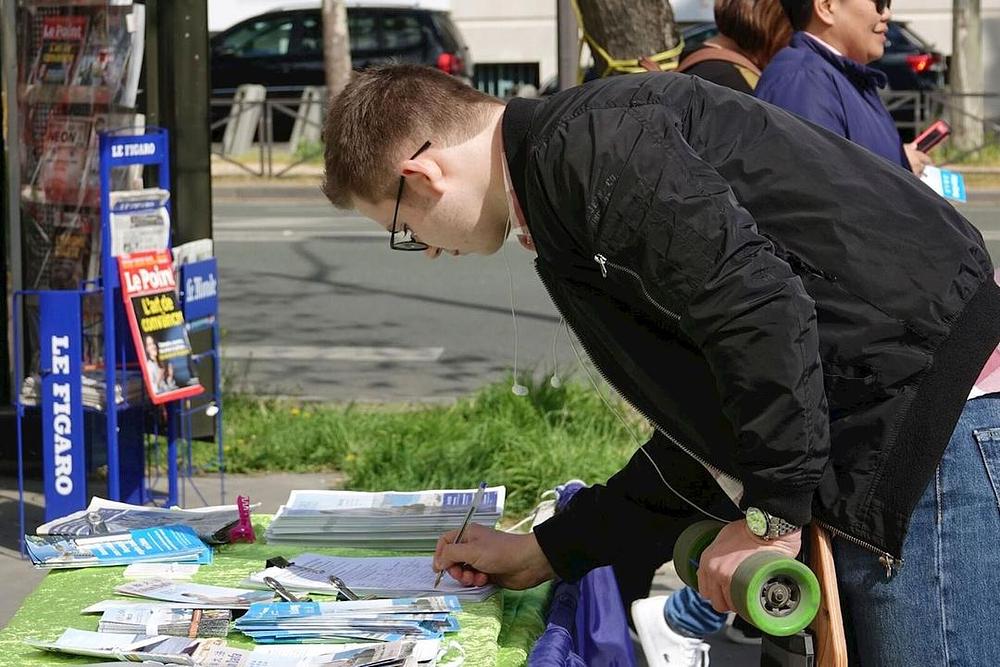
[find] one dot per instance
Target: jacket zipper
(603, 262)
(886, 560)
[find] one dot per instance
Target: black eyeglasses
(408, 242)
(882, 5)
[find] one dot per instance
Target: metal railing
(926, 106)
(264, 144)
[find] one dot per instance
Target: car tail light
(450, 63)
(922, 62)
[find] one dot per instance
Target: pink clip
(243, 530)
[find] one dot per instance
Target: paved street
(314, 305)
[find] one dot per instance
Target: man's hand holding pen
(485, 555)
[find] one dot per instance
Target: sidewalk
(308, 188)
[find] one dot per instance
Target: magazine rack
(61, 380)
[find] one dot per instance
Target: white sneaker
(660, 643)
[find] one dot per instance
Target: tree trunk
(629, 29)
(967, 74)
(336, 47)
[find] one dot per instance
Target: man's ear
(424, 175)
(824, 12)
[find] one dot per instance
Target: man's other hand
(733, 544)
(918, 159)
(486, 555)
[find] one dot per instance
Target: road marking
(297, 235)
(331, 353)
(326, 222)
(288, 235)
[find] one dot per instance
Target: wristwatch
(767, 526)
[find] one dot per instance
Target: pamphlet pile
(391, 654)
(194, 596)
(385, 577)
(361, 620)
(108, 516)
(168, 543)
(401, 521)
(124, 647)
(162, 650)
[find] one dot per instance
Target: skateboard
(828, 626)
(779, 595)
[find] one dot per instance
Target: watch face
(756, 521)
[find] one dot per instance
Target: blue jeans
(941, 607)
(692, 615)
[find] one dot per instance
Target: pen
(476, 499)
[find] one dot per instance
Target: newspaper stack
(401, 521)
(92, 392)
(147, 619)
(389, 577)
(363, 620)
(109, 516)
(166, 544)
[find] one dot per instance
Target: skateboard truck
(796, 650)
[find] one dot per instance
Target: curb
(266, 190)
(985, 195)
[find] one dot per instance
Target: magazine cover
(106, 53)
(62, 41)
(62, 171)
(157, 323)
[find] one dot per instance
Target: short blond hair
(385, 113)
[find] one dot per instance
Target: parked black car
(283, 49)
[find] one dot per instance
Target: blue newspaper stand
(60, 390)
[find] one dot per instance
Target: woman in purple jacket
(823, 75)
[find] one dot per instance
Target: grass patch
(530, 444)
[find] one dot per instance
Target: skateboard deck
(828, 626)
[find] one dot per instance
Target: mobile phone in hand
(932, 136)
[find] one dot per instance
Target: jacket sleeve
(699, 255)
(806, 93)
(632, 520)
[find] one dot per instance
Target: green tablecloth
(499, 631)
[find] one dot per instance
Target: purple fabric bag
(587, 626)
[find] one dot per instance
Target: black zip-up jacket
(785, 306)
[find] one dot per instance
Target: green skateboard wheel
(688, 548)
(779, 595)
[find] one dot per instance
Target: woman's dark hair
(799, 12)
(759, 27)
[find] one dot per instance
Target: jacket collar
(515, 128)
(861, 75)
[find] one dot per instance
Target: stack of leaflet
(194, 596)
(388, 577)
(150, 620)
(109, 516)
(390, 654)
(401, 521)
(164, 544)
(125, 647)
(362, 620)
